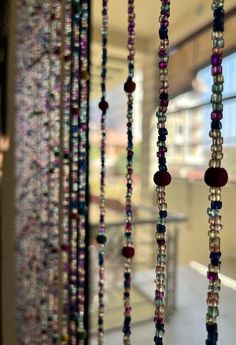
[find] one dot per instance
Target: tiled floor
(187, 325)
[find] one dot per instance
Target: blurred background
(188, 155)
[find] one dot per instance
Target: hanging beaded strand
(128, 249)
(101, 237)
(83, 167)
(162, 178)
(66, 170)
(215, 176)
(74, 158)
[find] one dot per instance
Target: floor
(187, 325)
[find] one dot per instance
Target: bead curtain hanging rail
(101, 237)
(215, 176)
(128, 249)
(162, 178)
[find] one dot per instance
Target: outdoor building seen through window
(189, 123)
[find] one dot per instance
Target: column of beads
(45, 176)
(74, 182)
(162, 177)
(215, 176)
(83, 119)
(66, 169)
(54, 170)
(101, 237)
(128, 250)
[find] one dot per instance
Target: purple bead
(159, 294)
(162, 53)
(216, 70)
(212, 276)
(216, 60)
(162, 64)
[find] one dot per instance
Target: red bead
(103, 105)
(162, 178)
(128, 252)
(129, 86)
(216, 177)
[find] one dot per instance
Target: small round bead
(103, 105)
(162, 178)
(129, 86)
(128, 252)
(216, 177)
(101, 238)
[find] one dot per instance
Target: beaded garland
(66, 169)
(54, 97)
(83, 167)
(128, 249)
(162, 178)
(215, 176)
(74, 158)
(101, 237)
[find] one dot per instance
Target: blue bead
(162, 160)
(163, 33)
(163, 214)
(162, 131)
(216, 125)
(216, 205)
(160, 228)
(162, 167)
(158, 340)
(162, 137)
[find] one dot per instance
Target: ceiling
(186, 18)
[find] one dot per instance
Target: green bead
(216, 98)
(159, 114)
(162, 220)
(217, 106)
(101, 238)
(161, 258)
(219, 79)
(160, 334)
(82, 334)
(218, 43)
(217, 88)
(212, 212)
(213, 311)
(165, 59)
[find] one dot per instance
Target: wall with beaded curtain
(52, 83)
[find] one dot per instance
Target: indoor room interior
(117, 172)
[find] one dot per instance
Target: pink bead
(216, 115)
(216, 70)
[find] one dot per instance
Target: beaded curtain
(51, 73)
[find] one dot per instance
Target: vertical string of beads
(128, 250)
(45, 176)
(82, 165)
(215, 176)
(101, 237)
(162, 178)
(54, 169)
(66, 171)
(74, 158)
